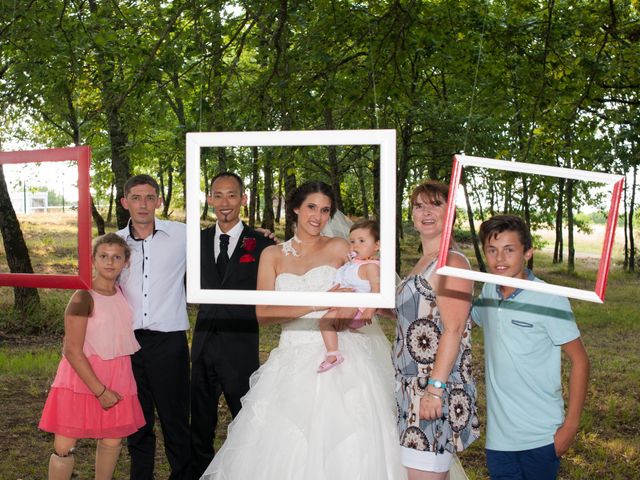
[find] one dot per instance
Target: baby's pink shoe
(327, 365)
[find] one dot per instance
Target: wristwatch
(437, 383)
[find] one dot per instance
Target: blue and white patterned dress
(418, 333)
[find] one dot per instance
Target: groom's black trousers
(216, 373)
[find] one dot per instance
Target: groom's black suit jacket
(236, 323)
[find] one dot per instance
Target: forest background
(549, 82)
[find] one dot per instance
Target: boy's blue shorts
(536, 464)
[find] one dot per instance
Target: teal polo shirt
(523, 335)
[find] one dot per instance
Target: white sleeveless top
(347, 276)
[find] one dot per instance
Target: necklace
(297, 240)
(289, 249)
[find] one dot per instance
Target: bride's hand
(340, 316)
(339, 288)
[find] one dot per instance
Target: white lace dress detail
(287, 248)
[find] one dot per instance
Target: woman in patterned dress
(435, 390)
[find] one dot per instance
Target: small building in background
(30, 202)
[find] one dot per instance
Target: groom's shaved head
(229, 174)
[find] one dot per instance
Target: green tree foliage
(553, 82)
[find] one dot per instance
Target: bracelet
(439, 397)
(102, 393)
(437, 383)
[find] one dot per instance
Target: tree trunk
(334, 168)
(625, 230)
(280, 196)
(283, 77)
(119, 141)
(110, 211)
(527, 212)
(289, 186)
(476, 194)
(406, 133)
(363, 191)
(25, 299)
(376, 185)
(334, 175)
(167, 191)
(267, 215)
(257, 207)
(558, 244)
(177, 105)
(492, 198)
(253, 191)
(207, 187)
(113, 97)
(632, 244)
(571, 261)
(508, 189)
(97, 218)
(472, 229)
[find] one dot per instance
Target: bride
(295, 423)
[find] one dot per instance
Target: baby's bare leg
(329, 334)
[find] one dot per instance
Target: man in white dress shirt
(154, 287)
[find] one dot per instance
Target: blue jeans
(536, 464)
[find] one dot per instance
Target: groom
(224, 351)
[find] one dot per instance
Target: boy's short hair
(142, 179)
(497, 224)
(111, 239)
(367, 224)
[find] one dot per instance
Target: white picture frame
(385, 139)
(616, 182)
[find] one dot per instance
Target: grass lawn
(607, 447)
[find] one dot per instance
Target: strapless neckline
(312, 269)
(316, 279)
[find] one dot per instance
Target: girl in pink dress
(94, 394)
(362, 274)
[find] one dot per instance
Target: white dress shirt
(234, 236)
(153, 283)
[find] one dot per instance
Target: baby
(362, 274)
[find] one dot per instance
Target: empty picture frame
(617, 182)
(385, 139)
(81, 155)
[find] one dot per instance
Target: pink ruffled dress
(71, 408)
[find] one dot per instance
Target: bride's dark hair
(298, 195)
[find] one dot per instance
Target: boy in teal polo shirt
(524, 333)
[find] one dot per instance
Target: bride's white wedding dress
(298, 424)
